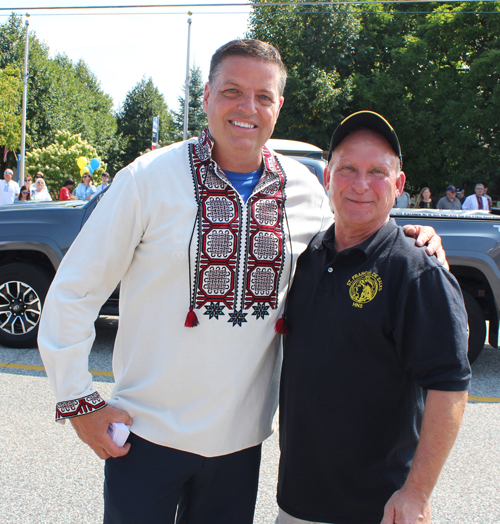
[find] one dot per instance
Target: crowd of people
(37, 190)
(454, 199)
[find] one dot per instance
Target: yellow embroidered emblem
(363, 287)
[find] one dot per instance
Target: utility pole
(186, 89)
(25, 93)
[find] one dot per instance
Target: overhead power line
(241, 4)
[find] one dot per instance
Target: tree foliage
(135, 122)
(61, 94)
(434, 75)
(317, 46)
(58, 160)
(197, 119)
(10, 119)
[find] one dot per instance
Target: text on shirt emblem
(363, 287)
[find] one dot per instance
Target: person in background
(403, 201)
(85, 189)
(105, 181)
(461, 194)
(9, 190)
(24, 195)
(41, 193)
(424, 199)
(28, 182)
(450, 201)
(65, 192)
(476, 201)
(490, 202)
(39, 175)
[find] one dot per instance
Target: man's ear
(206, 94)
(400, 183)
(326, 177)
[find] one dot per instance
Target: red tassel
(281, 326)
(191, 319)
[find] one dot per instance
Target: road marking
(484, 399)
(41, 368)
(110, 374)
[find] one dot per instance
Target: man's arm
(441, 421)
(427, 236)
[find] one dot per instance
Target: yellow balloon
(84, 170)
(81, 162)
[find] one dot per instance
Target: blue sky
(121, 46)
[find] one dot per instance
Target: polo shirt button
(330, 270)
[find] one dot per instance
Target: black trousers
(152, 483)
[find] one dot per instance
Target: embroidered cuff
(79, 406)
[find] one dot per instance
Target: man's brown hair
(248, 48)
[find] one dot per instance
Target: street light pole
(25, 93)
(186, 89)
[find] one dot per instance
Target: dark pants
(146, 486)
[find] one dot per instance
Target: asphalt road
(47, 476)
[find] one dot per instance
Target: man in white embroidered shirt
(204, 269)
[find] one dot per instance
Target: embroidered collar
(271, 173)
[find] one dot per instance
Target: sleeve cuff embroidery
(79, 406)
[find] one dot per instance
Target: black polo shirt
(369, 328)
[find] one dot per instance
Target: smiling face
(363, 179)
(242, 106)
(426, 193)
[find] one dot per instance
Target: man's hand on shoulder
(427, 236)
(407, 507)
(92, 429)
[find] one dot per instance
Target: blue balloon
(95, 163)
(90, 168)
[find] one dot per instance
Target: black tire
(476, 325)
(23, 288)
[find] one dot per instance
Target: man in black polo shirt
(374, 322)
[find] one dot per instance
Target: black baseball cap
(370, 120)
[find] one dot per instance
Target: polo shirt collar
(325, 240)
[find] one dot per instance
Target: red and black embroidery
(240, 251)
(79, 406)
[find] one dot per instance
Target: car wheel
(476, 327)
(23, 288)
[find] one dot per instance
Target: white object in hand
(119, 432)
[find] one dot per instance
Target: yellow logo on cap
(363, 287)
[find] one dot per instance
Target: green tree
(58, 160)
(436, 78)
(135, 122)
(61, 94)
(317, 46)
(10, 119)
(197, 119)
(434, 75)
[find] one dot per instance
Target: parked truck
(34, 238)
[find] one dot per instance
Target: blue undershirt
(244, 183)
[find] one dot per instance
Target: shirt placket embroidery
(240, 247)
